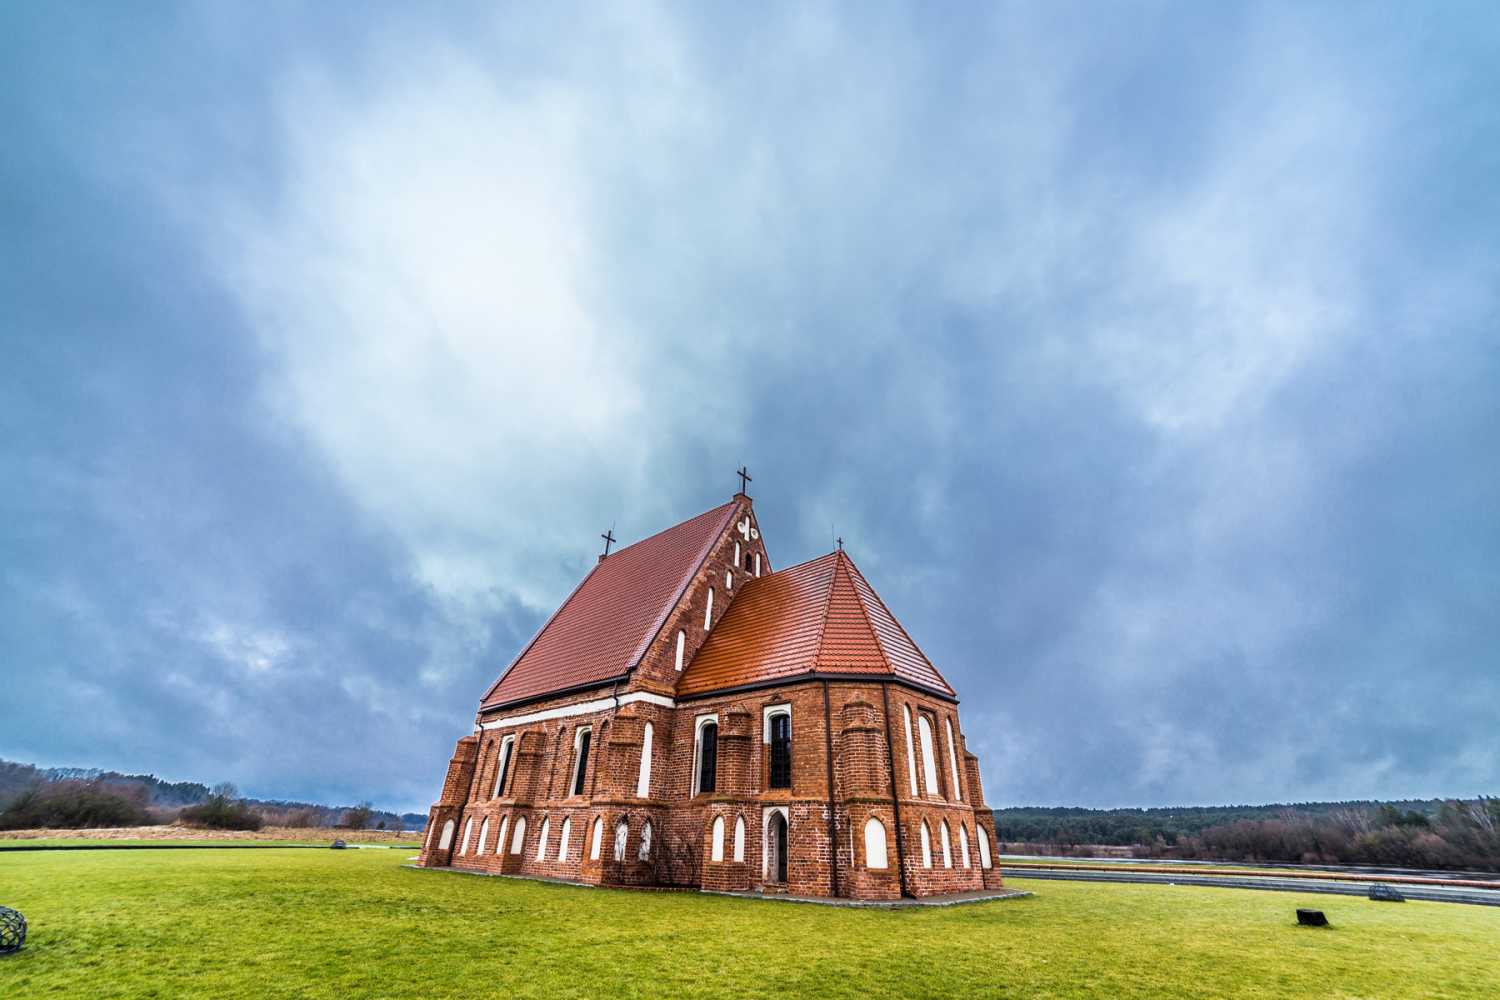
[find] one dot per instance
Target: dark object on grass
(12, 930)
(1386, 894)
(338, 845)
(1312, 918)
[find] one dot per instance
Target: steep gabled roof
(821, 617)
(603, 628)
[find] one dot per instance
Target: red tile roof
(602, 630)
(819, 617)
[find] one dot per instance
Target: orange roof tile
(820, 617)
(602, 630)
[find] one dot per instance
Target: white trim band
(578, 708)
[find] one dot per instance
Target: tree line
(1435, 833)
(83, 798)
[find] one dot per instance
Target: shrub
(75, 805)
(222, 810)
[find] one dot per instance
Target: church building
(691, 716)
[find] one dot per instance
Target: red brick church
(691, 717)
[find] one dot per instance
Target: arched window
(958, 794)
(984, 846)
(598, 837)
(717, 851)
(517, 839)
(706, 774)
(875, 856)
(447, 838)
(911, 754)
(468, 829)
(580, 757)
(708, 611)
(563, 836)
(681, 642)
(739, 838)
(781, 750)
(643, 780)
(541, 839)
(748, 564)
(736, 553)
(757, 564)
(926, 846)
(644, 853)
(963, 844)
(947, 844)
(484, 834)
(929, 762)
(622, 834)
(507, 746)
(500, 836)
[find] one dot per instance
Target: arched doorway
(777, 844)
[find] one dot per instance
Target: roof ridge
(864, 612)
(642, 541)
(661, 619)
(805, 562)
(833, 581)
(889, 614)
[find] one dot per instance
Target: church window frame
(541, 839)
(705, 756)
(582, 740)
(985, 860)
(963, 845)
(929, 756)
(643, 850)
(716, 840)
(778, 751)
(736, 555)
(502, 764)
(598, 838)
(708, 611)
(728, 580)
(500, 835)
(877, 851)
(446, 840)
(563, 836)
(622, 839)
(739, 838)
(911, 752)
(958, 794)
(643, 778)
(517, 837)
(926, 836)
(681, 648)
(757, 564)
(468, 833)
(484, 834)
(947, 843)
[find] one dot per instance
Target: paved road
(1433, 893)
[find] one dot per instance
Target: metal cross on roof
(744, 475)
(841, 543)
(609, 537)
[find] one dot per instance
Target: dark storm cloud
(1146, 359)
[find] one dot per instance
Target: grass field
(296, 923)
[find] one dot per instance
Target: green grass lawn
(294, 923)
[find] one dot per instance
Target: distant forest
(90, 797)
(1417, 833)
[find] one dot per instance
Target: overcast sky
(1147, 358)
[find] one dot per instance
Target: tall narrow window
(708, 757)
(748, 564)
(643, 853)
(739, 838)
(947, 844)
(484, 834)
(757, 564)
(716, 840)
(957, 793)
(736, 553)
(963, 844)
(681, 642)
(500, 836)
(929, 762)
(468, 829)
(728, 581)
(447, 838)
(563, 837)
(598, 838)
(708, 611)
(781, 751)
(643, 780)
(622, 834)
(502, 771)
(541, 838)
(984, 846)
(517, 839)
(926, 846)
(580, 758)
(911, 755)
(875, 855)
